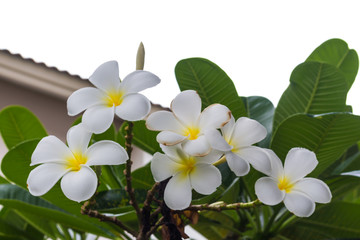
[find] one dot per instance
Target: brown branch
(220, 206)
(155, 227)
(95, 214)
(127, 171)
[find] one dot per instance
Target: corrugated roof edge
(30, 60)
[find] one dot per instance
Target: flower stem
(95, 214)
(127, 171)
(220, 206)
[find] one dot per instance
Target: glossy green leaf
(335, 220)
(211, 82)
(328, 135)
(19, 199)
(3, 180)
(117, 200)
(342, 185)
(337, 53)
(18, 124)
(42, 224)
(142, 178)
(315, 88)
(143, 137)
(262, 110)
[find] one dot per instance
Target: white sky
(258, 43)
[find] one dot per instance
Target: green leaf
(335, 220)
(3, 180)
(342, 185)
(19, 199)
(315, 88)
(262, 110)
(143, 137)
(18, 124)
(142, 178)
(211, 82)
(328, 135)
(117, 200)
(337, 53)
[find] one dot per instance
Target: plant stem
(127, 171)
(95, 214)
(220, 206)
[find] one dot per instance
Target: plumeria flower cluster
(198, 144)
(193, 141)
(72, 163)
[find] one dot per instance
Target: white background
(257, 43)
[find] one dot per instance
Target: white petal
(138, 81)
(84, 98)
(177, 195)
(238, 165)
(299, 204)
(79, 185)
(227, 129)
(162, 167)
(106, 76)
(214, 116)
(267, 191)
(98, 119)
(175, 152)
(277, 170)
(197, 147)
(216, 140)
(299, 162)
(164, 121)
(44, 177)
(205, 178)
(50, 149)
(316, 189)
(187, 107)
(134, 107)
(169, 138)
(256, 157)
(247, 132)
(78, 138)
(209, 158)
(106, 153)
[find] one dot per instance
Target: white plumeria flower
(187, 172)
(289, 185)
(112, 97)
(72, 164)
(236, 140)
(186, 123)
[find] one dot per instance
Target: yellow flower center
(192, 132)
(285, 184)
(114, 98)
(75, 161)
(187, 166)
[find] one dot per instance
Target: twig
(155, 227)
(127, 171)
(146, 211)
(95, 214)
(150, 194)
(220, 206)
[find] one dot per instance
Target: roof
(38, 76)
